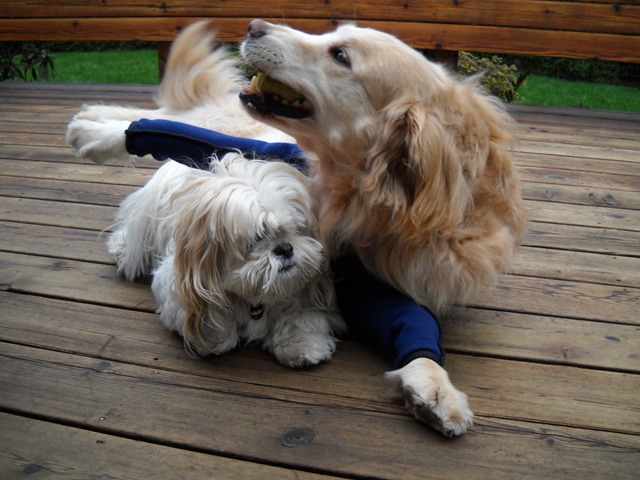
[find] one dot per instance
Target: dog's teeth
(253, 89)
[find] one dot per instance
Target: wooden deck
(92, 386)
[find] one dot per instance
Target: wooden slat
(128, 335)
(602, 217)
(59, 242)
(419, 35)
(139, 338)
(78, 172)
(583, 239)
(72, 280)
(543, 339)
(63, 190)
(623, 17)
(563, 298)
(129, 399)
(581, 195)
(578, 266)
(34, 448)
(95, 217)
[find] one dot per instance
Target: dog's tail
(198, 69)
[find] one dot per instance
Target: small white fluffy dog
(411, 165)
(234, 258)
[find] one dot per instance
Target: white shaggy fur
(221, 243)
(410, 165)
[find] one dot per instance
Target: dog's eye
(340, 56)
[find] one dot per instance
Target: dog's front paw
(98, 139)
(304, 349)
(431, 397)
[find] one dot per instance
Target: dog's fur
(219, 244)
(412, 167)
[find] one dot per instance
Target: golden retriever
(411, 166)
(413, 170)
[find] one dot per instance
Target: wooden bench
(588, 29)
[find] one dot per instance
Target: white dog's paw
(431, 397)
(304, 349)
(98, 139)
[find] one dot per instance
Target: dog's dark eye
(340, 56)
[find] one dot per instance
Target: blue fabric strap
(194, 146)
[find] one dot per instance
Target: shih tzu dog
(234, 258)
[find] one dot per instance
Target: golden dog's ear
(392, 169)
(412, 168)
(198, 264)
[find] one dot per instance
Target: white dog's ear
(198, 263)
(412, 167)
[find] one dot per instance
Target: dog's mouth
(286, 267)
(269, 96)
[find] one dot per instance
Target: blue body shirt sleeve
(375, 312)
(382, 316)
(195, 146)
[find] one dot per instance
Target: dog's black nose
(284, 250)
(257, 28)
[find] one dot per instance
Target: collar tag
(256, 311)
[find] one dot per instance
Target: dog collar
(256, 311)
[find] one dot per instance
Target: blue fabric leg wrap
(380, 315)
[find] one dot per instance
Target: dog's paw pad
(431, 397)
(448, 412)
(305, 351)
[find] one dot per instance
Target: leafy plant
(24, 61)
(498, 78)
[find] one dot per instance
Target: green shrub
(498, 78)
(24, 61)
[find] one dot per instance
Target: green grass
(127, 66)
(550, 91)
(141, 67)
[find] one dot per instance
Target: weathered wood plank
(580, 195)
(59, 242)
(589, 17)
(593, 137)
(583, 239)
(543, 339)
(33, 447)
(586, 215)
(577, 266)
(563, 298)
(64, 190)
(73, 280)
(138, 337)
(77, 171)
(436, 36)
(153, 403)
(99, 284)
(88, 245)
(64, 214)
(578, 150)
